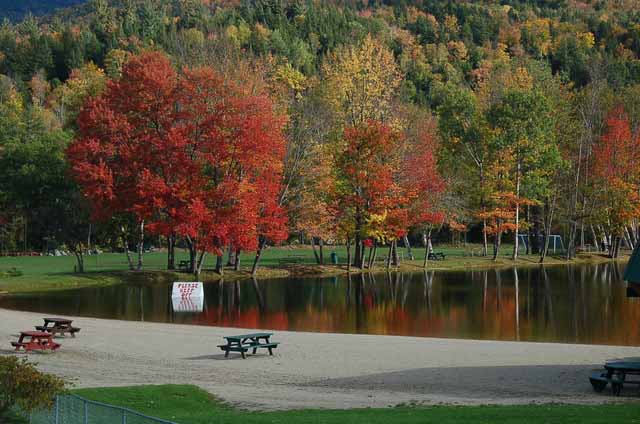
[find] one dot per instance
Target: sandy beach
(317, 370)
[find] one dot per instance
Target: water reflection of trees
(585, 304)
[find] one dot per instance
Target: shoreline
(92, 278)
(324, 370)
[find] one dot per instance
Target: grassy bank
(190, 405)
(26, 274)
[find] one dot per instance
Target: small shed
(632, 273)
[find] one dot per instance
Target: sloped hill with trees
(519, 110)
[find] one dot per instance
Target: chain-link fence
(72, 409)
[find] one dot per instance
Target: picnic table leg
(20, 339)
(270, 349)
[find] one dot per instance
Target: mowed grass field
(36, 273)
(191, 405)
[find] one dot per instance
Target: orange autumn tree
(616, 183)
(422, 183)
(501, 214)
(315, 212)
(365, 167)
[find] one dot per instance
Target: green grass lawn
(190, 405)
(39, 273)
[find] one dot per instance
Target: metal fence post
(57, 409)
(86, 412)
(124, 417)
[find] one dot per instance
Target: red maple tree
(187, 153)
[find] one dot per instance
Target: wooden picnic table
(245, 342)
(615, 373)
(35, 340)
(58, 326)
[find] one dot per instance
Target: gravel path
(322, 370)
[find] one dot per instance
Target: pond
(574, 304)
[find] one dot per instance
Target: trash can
(334, 258)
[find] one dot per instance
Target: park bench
(436, 256)
(184, 265)
(245, 342)
(35, 340)
(615, 373)
(56, 326)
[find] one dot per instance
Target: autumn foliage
(617, 175)
(186, 153)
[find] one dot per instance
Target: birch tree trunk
(140, 246)
(516, 244)
(407, 245)
(199, 265)
(125, 244)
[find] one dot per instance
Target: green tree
(522, 125)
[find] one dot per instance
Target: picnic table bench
(615, 373)
(184, 265)
(35, 340)
(436, 256)
(56, 326)
(245, 342)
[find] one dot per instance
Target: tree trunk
(315, 251)
(348, 254)
(89, 237)
(630, 240)
(171, 252)
(358, 240)
(199, 265)
(596, 242)
(321, 248)
(496, 245)
(364, 255)
(236, 265)
(516, 244)
(220, 264)
(372, 256)
(231, 260)
(408, 246)
(617, 250)
(396, 257)
(256, 261)
(140, 246)
(485, 243)
(192, 255)
(547, 222)
(126, 249)
(427, 248)
(357, 254)
(77, 251)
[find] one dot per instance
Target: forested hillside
(15, 10)
(480, 118)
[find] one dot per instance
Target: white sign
(187, 296)
(187, 304)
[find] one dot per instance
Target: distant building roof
(632, 273)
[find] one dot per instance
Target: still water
(575, 304)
